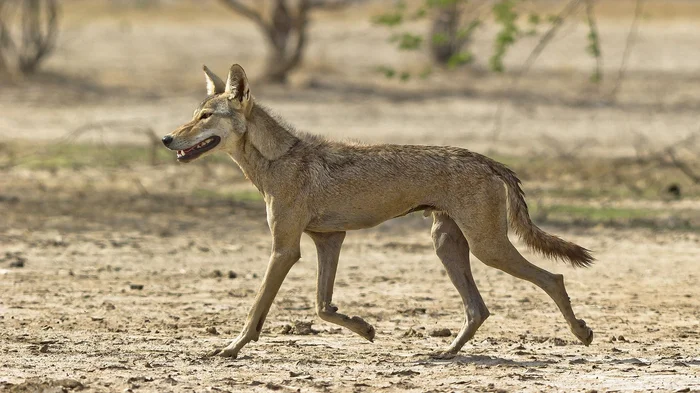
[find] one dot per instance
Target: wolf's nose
(167, 140)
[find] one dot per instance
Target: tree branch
(683, 167)
(631, 39)
(300, 26)
(534, 54)
(245, 11)
(331, 4)
(568, 10)
(597, 51)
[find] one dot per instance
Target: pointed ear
(238, 89)
(214, 84)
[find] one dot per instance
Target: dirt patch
(130, 291)
(120, 270)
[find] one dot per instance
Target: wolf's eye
(205, 115)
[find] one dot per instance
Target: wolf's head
(221, 119)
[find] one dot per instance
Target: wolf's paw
(444, 355)
(365, 329)
(583, 332)
(226, 352)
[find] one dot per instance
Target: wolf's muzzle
(167, 140)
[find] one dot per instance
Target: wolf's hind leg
(486, 230)
(328, 249)
(453, 250)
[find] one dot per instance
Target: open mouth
(197, 150)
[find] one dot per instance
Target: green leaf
(460, 59)
(442, 3)
(390, 19)
(420, 13)
(408, 41)
(387, 71)
(440, 39)
(467, 31)
(505, 15)
(533, 19)
(426, 72)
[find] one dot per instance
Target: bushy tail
(549, 245)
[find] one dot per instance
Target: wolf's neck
(265, 141)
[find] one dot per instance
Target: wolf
(325, 188)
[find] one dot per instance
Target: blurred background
(597, 97)
(594, 103)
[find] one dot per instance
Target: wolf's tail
(549, 245)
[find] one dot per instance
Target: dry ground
(88, 241)
(119, 270)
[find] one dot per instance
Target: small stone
(285, 329)
(444, 332)
(411, 332)
(136, 286)
(217, 274)
(44, 348)
(19, 263)
(70, 384)
(303, 328)
(212, 330)
(232, 274)
(16, 259)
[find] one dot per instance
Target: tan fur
(324, 188)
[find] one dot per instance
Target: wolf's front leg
(281, 260)
(328, 249)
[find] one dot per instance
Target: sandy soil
(121, 279)
(125, 291)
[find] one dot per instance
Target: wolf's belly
(353, 219)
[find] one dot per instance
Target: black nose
(167, 140)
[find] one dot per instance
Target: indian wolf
(324, 188)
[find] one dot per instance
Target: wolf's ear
(214, 84)
(238, 89)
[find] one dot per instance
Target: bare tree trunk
(287, 39)
(4, 36)
(444, 40)
(38, 22)
(285, 31)
(39, 25)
